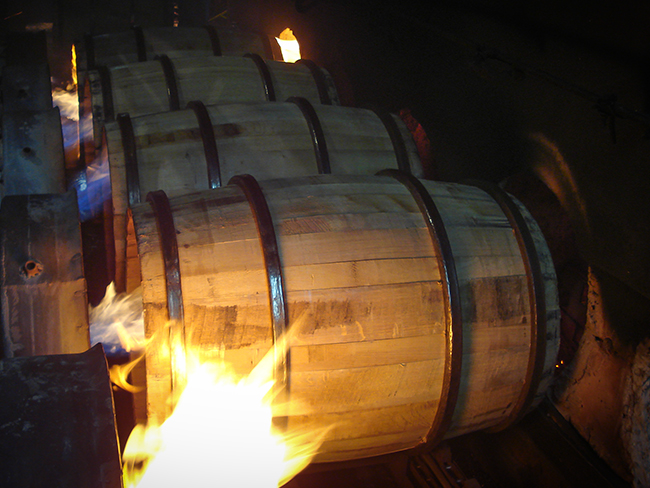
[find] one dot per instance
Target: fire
(220, 433)
(67, 99)
(74, 66)
(289, 46)
(223, 428)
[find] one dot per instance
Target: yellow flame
(224, 430)
(74, 66)
(119, 374)
(289, 46)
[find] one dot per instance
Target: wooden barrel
(198, 148)
(144, 44)
(164, 85)
(415, 310)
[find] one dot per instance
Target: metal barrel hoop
(316, 132)
(453, 311)
(130, 158)
(537, 298)
(170, 81)
(214, 39)
(265, 75)
(169, 249)
(107, 93)
(277, 295)
(141, 47)
(399, 147)
(319, 79)
(209, 142)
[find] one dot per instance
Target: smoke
(67, 102)
(91, 182)
(93, 187)
(117, 322)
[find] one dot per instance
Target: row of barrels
(166, 85)
(203, 147)
(189, 122)
(139, 44)
(412, 310)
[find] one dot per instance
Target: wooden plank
(343, 199)
(351, 449)
(343, 390)
(212, 280)
(57, 422)
(471, 242)
(360, 314)
(44, 302)
(348, 355)
(293, 80)
(328, 316)
(139, 89)
(350, 274)
(305, 249)
(488, 266)
(45, 318)
(345, 221)
(488, 407)
(408, 421)
(213, 80)
(296, 205)
(26, 87)
(33, 152)
(228, 327)
(496, 299)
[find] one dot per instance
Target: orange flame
(74, 66)
(289, 46)
(222, 431)
(119, 374)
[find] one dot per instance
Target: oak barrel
(198, 148)
(416, 310)
(164, 85)
(144, 44)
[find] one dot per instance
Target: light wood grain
(140, 88)
(44, 306)
(366, 310)
(267, 140)
(120, 48)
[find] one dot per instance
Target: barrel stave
(367, 313)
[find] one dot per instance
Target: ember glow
(289, 46)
